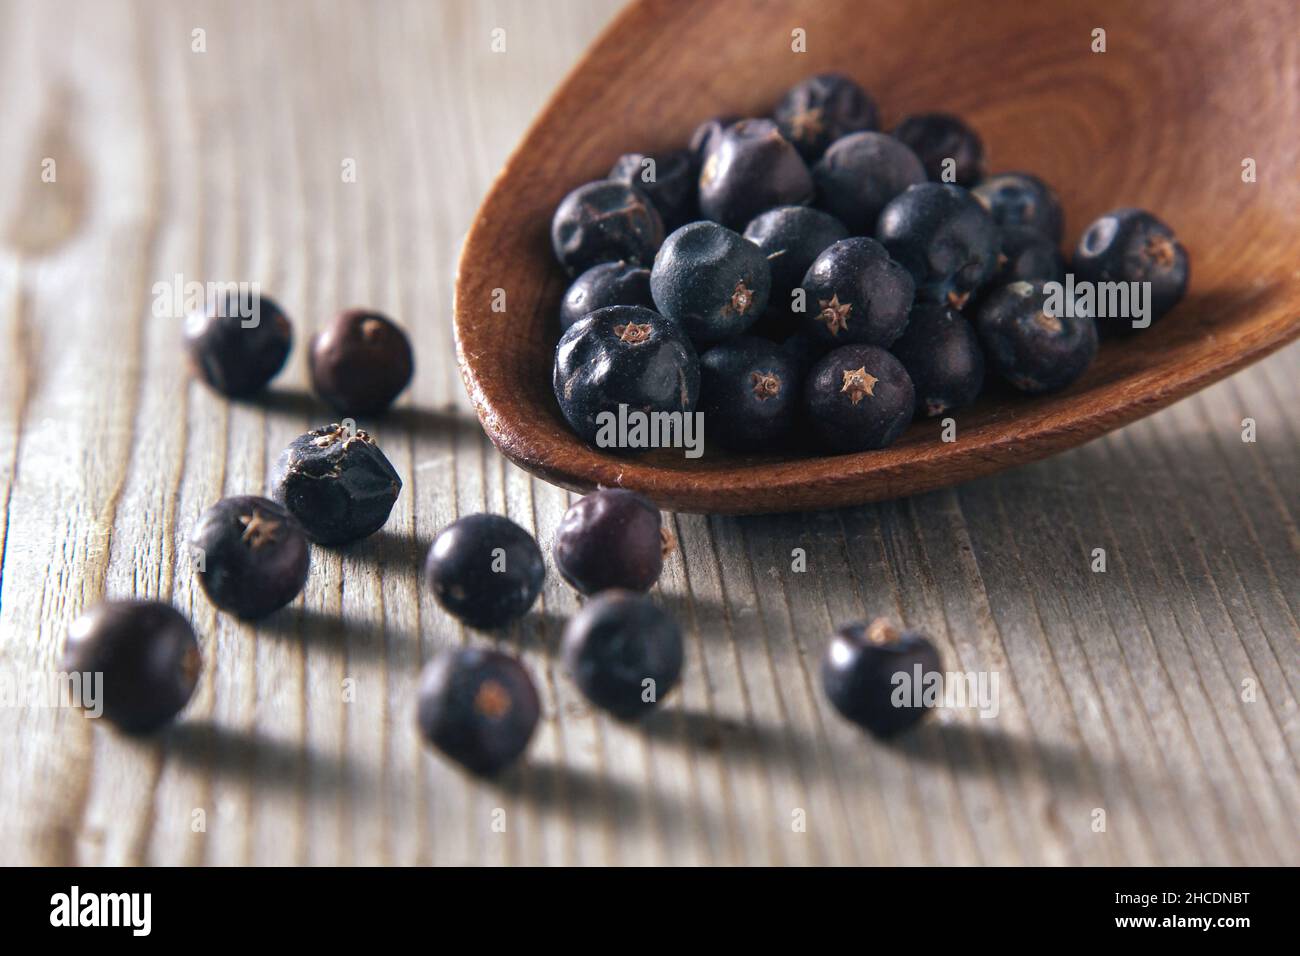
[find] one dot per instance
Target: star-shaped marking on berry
(258, 529)
(766, 385)
(632, 333)
(807, 123)
(834, 313)
(492, 700)
(741, 301)
(859, 384)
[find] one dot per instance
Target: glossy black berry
(859, 174)
(361, 362)
(791, 237)
(485, 570)
(605, 221)
(823, 108)
(1131, 245)
(706, 137)
(623, 355)
(610, 283)
(942, 355)
(612, 538)
(944, 238)
(1023, 201)
(251, 555)
(712, 282)
(750, 394)
(856, 293)
(937, 137)
(669, 179)
(237, 344)
(624, 653)
(857, 398)
(337, 483)
(479, 707)
(877, 676)
(750, 169)
(1026, 254)
(1031, 342)
(146, 655)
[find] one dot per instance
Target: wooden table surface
(1147, 714)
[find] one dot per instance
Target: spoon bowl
(1184, 103)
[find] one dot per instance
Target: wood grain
(1135, 125)
(1120, 691)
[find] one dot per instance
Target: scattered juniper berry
(750, 394)
(237, 344)
(605, 221)
(711, 281)
(860, 675)
(612, 538)
(858, 397)
(856, 293)
(668, 179)
(859, 174)
(250, 554)
(1030, 346)
(938, 137)
(610, 283)
(361, 362)
(485, 570)
(1132, 245)
(791, 237)
(821, 109)
(942, 355)
(752, 168)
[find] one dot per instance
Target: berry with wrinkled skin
(858, 398)
(711, 281)
(251, 555)
(942, 355)
(1132, 245)
(361, 362)
(860, 174)
(624, 653)
(823, 108)
(485, 570)
(479, 707)
(668, 179)
(605, 221)
(1022, 201)
(750, 169)
(237, 355)
(856, 293)
(750, 392)
(612, 538)
(610, 283)
(1031, 348)
(337, 483)
(936, 137)
(146, 655)
(860, 675)
(791, 237)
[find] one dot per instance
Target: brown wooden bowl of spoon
(1165, 119)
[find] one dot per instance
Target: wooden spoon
(1166, 118)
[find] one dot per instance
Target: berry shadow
(725, 736)
(985, 750)
(319, 630)
(447, 422)
(258, 758)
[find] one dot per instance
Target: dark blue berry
(146, 658)
(605, 221)
(479, 707)
(623, 355)
(706, 136)
(711, 281)
(1022, 200)
(936, 137)
(610, 283)
(624, 653)
(943, 359)
(750, 394)
(858, 398)
(860, 675)
(361, 362)
(856, 293)
(805, 350)
(251, 555)
(823, 108)
(612, 538)
(791, 237)
(1032, 348)
(1026, 254)
(337, 483)
(860, 174)
(669, 179)
(485, 570)
(750, 169)
(238, 353)
(944, 238)
(1131, 245)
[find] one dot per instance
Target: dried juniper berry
(859, 174)
(791, 237)
(605, 221)
(823, 108)
(706, 137)
(938, 138)
(856, 293)
(1023, 201)
(750, 394)
(669, 179)
(610, 283)
(612, 538)
(479, 707)
(1036, 344)
(485, 570)
(238, 343)
(857, 398)
(147, 656)
(1026, 254)
(711, 281)
(861, 676)
(944, 238)
(1132, 245)
(337, 483)
(942, 355)
(623, 355)
(752, 168)
(624, 653)
(251, 555)
(361, 362)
